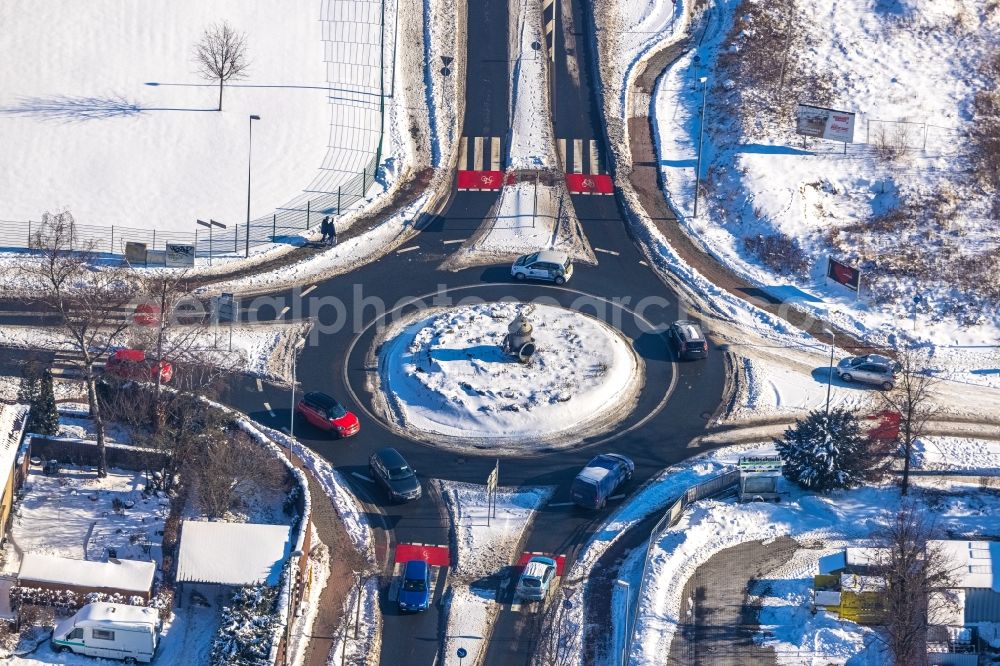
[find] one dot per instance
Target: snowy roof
(128, 575)
(864, 557)
(975, 564)
(827, 598)
(833, 563)
(856, 583)
(102, 613)
(12, 421)
(232, 553)
(535, 569)
(553, 257)
(594, 473)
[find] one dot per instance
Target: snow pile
(484, 547)
(446, 376)
(910, 76)
(531, 143)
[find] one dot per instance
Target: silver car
(535, 579)
(870, 369)
(544, 265)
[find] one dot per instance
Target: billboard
(824, 123)
(846, 275)
(179, 255)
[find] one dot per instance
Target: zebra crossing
(580, 156)
(480, 160)
(549, 16)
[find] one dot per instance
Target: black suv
(688, 339)
(391, 471)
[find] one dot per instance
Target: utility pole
(701, 140)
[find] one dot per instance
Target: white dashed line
(307, 290)
(408, 249)
(284, 311)
(270, 411)
(617, 497)
(643, 263)
(455, 240)
(362, 477)
(260, 386)
(601, 249)
(560, 504)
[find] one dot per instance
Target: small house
(50, 572)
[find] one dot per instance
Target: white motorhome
(116, 631)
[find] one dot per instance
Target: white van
(116, 631)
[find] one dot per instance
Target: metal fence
(359, 40)
(714, 486)
(285, 225)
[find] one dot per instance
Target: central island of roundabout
(451, 377)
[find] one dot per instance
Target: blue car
(415, 591)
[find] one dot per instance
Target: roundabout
(444, 375)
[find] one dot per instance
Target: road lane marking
(560, 504)
(595, 158)
(601, 249)
(363, 477)
(270, 411)
(477, 152)
(617, 497)
(260, 386)
(562, 152)
(463, 160)
(455, 240)
(643, 263)
(577, 155)
(408, 249)
(494, 153)
(284, 311)
(306, 291)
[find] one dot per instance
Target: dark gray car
(391, 471)
(871, 369)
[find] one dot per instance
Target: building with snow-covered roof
(50, 572)
(13, 419)
(232, 553)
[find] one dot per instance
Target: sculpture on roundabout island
(518, 341)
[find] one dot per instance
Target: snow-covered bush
(67, 602)
(245, 633)
(826, 451)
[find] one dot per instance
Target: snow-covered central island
(444, 378)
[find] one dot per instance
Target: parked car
(538, 573)
(599, 479)
(545, 265)
(116, 631)
(146, 314)
(325, 413)
(133, 364)
(415, 590)
(688, 339)
(871, 369)
(391, 471)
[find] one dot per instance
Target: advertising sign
(179, 255)
(824, 123)
(228, 308)
(135, 253)
(759, 463)
(846, 275)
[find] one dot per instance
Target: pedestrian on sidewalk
(326, 228)
(333, 232)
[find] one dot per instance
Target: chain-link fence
(359, 39)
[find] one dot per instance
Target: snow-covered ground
(263, 350)
(484, 548)
(70, 514)
(445, 376)
(710, 526)
(900, 66)
(121, 89)
(956, 453)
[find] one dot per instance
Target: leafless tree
(919, 580)
(221, 55)
(912, 399)
(229, 468)
(89, 301)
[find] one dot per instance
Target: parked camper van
(115, 631)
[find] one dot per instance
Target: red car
(146, 314)
(133, 364)
(325, 413)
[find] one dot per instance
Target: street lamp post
(249, 155)
(292, 566)
(701, 140)
(625, 589)
(829, 378)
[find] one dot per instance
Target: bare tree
(229, 468)
(88, 300)
(912, 399)
(221, 55)
(918, 577)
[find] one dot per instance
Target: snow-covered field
(446, 376)
(87, 129)
(918, 64)
(484, 547)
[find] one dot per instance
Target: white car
(870, 369)
(544, 265)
